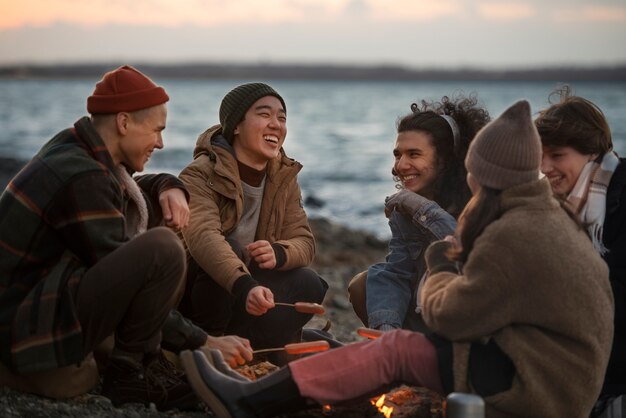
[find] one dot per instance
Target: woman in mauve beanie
(507, 151)
(237, 102)
(125, 89)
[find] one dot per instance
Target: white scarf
(137, 210)
(588, 197)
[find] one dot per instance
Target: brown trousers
(130, 292)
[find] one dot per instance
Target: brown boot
(155, 381)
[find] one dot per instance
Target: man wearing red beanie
(84, 253)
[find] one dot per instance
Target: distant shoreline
(605, 73)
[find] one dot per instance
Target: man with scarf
(583, 170)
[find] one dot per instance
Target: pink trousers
(362, 369)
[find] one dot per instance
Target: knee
(357, 293)
(165, 250)
(357, 289)
(165, 243)
(312, 286)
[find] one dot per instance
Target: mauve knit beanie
(237, 102)
(507, 151)
(125, 89)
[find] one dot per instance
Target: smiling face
(562, 166)
(142, 134)
(259, 136)
(416, 162)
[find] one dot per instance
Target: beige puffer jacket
(216, 204)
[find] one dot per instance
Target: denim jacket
(391, 285)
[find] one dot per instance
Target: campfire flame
(327, 410)
(380, 404)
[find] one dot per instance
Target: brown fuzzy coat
(216, 206)
(534, 284)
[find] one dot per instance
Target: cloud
(413, 10)
(518, 32)
(505, 11)
(358, 7)
(594, 13)
(167, 13)
(207, 13)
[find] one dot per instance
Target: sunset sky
(416, 33)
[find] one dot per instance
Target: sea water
(343, 132)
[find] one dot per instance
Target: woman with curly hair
(430, 147)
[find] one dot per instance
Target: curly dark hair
(450, 188)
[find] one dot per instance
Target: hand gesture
(405, 202)
(262, 252)
(436, 256)
(174, 207)
(235, 350)
(259, 300)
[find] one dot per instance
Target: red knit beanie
(125, 90)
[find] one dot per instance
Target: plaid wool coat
(64, 211)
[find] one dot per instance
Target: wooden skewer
(299, 348)
(305, 307)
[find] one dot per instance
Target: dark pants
(131, 291)
(216, 311)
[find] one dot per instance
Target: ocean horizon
(342, 132)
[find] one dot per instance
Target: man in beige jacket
(248, 239)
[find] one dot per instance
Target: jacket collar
(91, 140)
(212, 143)
(529, 195)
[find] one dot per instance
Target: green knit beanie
(507, 151)
(237, 102)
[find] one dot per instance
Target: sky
(487, 34)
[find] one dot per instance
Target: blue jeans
(391, 286)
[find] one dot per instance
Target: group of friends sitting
(505, 275)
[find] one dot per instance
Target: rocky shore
(341, 254)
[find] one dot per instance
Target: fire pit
(401, 402)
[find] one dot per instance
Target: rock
(341, 302)
(314, 202)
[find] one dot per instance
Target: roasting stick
(299, 348)
(370, 333)
(305, 307)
